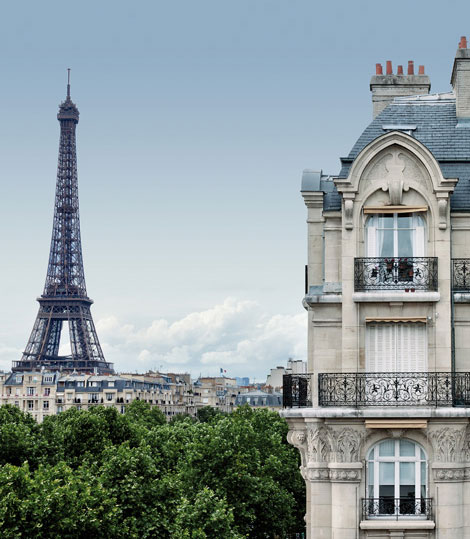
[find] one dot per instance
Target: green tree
(55, 501)
(145, 415)
(19, 436)
(76, 436)
(206, 414)
(204, 516)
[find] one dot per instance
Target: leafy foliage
(98, 473)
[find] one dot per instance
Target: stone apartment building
(381, 420)
(48, 393)
(217, 391)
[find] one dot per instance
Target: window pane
(407, 479)
(405, 245)
(405, 220)
(387, 473)
(422, 455)
(387, 448)
(423, 474)
(385, 243)
(371, 480)
(407, 449)
(385, 221)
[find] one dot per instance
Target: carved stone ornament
(447, 443)
(347, 444)
(449, 474)
(396, 433)
(395, 181)
(298, 439)
(442, 205)
(345, 475)
(348, 214)
(466, 445)
(318, 444)
(317, 474)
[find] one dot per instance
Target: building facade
(381, 419)
(48, 393)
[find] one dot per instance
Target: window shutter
(406, 353)
(411, 348)
(380, 348)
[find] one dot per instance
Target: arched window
(396, 480)
(393, 235)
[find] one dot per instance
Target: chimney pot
(421, 70)
(385, 88)
(460, 81)
(411, 67)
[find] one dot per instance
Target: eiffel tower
(65, 297)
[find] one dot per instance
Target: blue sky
(197, 119)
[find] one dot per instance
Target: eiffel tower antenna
(65, 298)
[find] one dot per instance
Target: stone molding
(444, 475)
(341, 476)
(351, 471)
(316, 474)
(333, 474)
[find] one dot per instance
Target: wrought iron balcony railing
(297, 390)
(461, 274)
(402, 273)
(397, 508)
(394, 389)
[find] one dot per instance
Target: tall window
(395, 235)
(396, 479)
(396, 347)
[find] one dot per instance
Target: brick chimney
(460, 81)
(386, 87)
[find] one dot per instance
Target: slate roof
(434, 124)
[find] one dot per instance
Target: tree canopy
(99, 473)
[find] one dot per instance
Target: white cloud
(235, 335)
(7, 355)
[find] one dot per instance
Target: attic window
(408, 129)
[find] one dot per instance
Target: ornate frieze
(449, 474)
(318, 444)
(317, 474)
(345, 474)
(447, 443)
(346, 443)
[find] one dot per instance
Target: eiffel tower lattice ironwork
(65, 297)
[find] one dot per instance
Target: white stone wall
(333, 442)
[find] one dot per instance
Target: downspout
(452, 317)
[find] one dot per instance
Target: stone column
(448, 472)
(319, 509)
(345, 475)
(345, 499)
(310, 437)
(448, 500)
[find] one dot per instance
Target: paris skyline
(196, 123)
